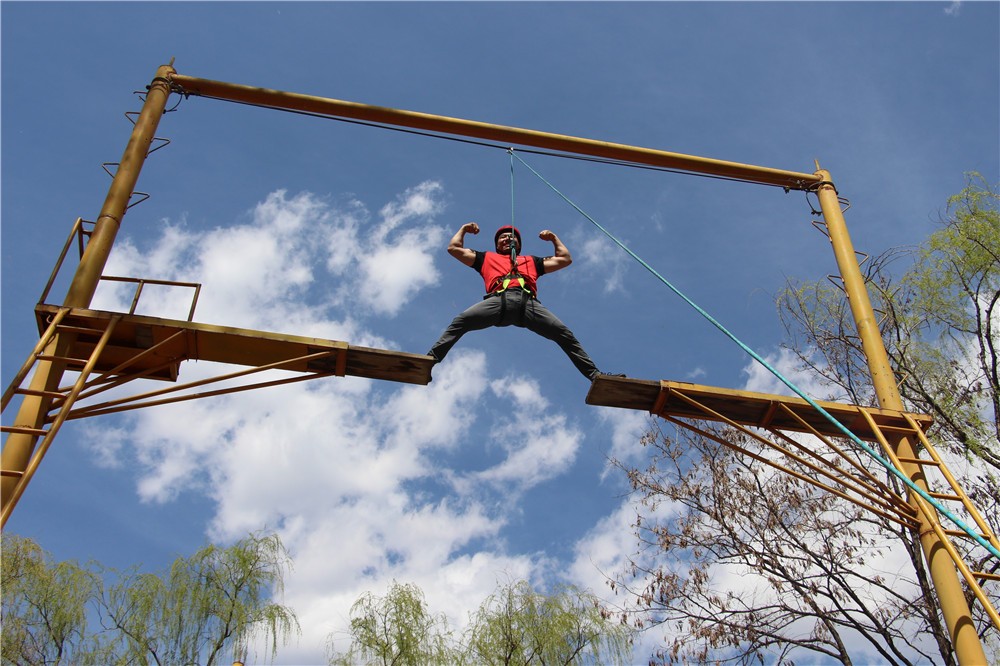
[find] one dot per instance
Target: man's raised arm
(456, 247)
(560, 258)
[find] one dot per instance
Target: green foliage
(959, 265)
(205, 610)
(207, 607)
(515, 626)
(396, 629)
(952, 318)
(44, 606)
(940, 321)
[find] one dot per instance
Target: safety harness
(515, 278)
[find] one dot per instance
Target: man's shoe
(598, 373)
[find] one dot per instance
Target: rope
(885, 463)
(511, 151)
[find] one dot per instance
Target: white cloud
(697, 373)
(599, 555)
(539, 444)
(602, 258)
(762, 380)
(395, 267)
(257, 275)
(627, 427)
(442, 413)
(419, 202)
(393, 273)
(367, 482)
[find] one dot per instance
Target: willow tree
(396, 629)
(738, 563)
(517, 626)
(514, 626)
(44, 613)
(206, 609)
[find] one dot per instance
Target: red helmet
(505, 229)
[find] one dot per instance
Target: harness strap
(508, 279)
(501, 318)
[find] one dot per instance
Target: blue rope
(885, 463)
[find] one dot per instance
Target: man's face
(504, 242)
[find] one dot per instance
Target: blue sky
(498, 469)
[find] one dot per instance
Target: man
(511, 293)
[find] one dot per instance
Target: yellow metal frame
(766, 418)
(50, 363)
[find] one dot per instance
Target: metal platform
(763, 410)
(154, 348)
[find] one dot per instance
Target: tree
(397, 629)
(206, 609)
(741, 563)
(208, 606)
(515, 626)
(941, 325)
(44, 606)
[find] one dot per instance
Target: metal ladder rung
(946, 496)
(40, 394)
(906, 430)
(80, 329)
(11, 472)
(920, 461)
(961, 533)
(24, 431)
(65, 359)
(986, 576)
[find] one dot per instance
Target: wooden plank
(624, 392)
(173, 341)
(744, 407)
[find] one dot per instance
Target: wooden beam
(163, 344)
(762, 410)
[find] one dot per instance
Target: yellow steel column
(968, 648)
(32, 414)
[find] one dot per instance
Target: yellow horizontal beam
(502, 134)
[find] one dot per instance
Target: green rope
(885, 463)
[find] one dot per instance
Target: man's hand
(546, 235)
(470, 228)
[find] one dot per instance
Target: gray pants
(515, 307)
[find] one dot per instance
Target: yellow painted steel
(955, 609)
(18, 447)
(36, 459)
(499, 133)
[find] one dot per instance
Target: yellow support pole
(965, 641)
(18, 447)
